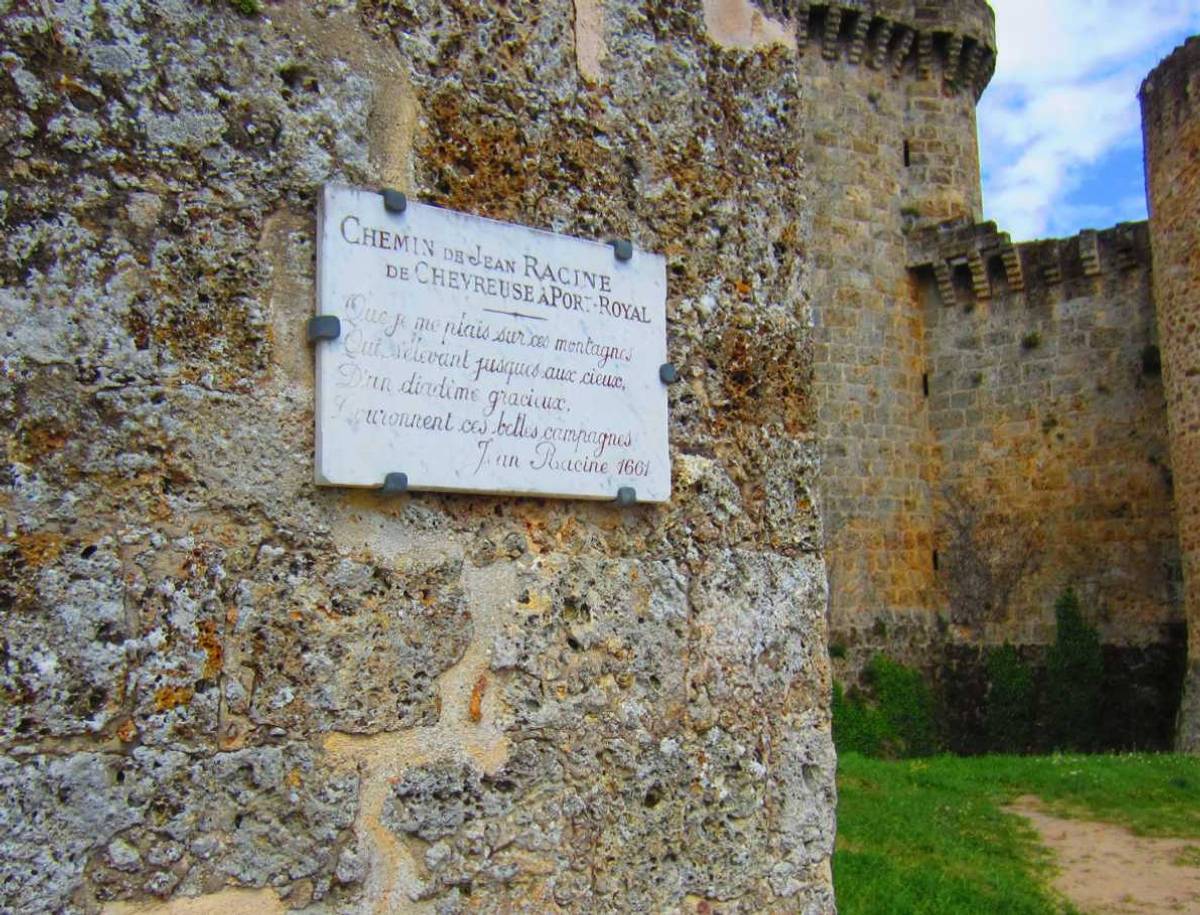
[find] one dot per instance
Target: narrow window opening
(935, 560)
(963, 283)
(925, 383)
(997, 275)
(907, 154)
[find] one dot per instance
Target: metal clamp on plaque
(394, 201)
(667, 373)
(395, 483)
(626, 496)
(324, 327)
(622, 248)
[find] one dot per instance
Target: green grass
(928, 836)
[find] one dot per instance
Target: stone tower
(1171, 123)
(894, 149)
(991, 413)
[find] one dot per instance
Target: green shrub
(906, 702)
(1009, 707)
(1074, 668)
(896, 721)
(857, 727)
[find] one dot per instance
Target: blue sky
(1060, 126)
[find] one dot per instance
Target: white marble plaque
(480, 356)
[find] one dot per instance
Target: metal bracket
(626, 496)
(622, 248)
(667, 373)
(395, 483)
(324, 327)
(394, 201)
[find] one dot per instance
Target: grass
(928, 836)
(1188, 857)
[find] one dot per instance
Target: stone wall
(1047, 412)
(1172, 133)
(221, 681)
(1049, 467)
(1015, 390)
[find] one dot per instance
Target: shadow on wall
(1074, 695)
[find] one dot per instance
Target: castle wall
(884, 91)
(1049, 463)
(1172, 141)
(218, 680)
(1047, 411)
(993, 418)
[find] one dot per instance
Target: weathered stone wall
(1172, 134)
(1048, 446)
(1022, 380)
(893, 123)
(220, 680)
(1046, 408)
(1046, 424)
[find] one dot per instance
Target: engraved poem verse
(486, 357)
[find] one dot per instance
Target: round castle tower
(893, 88)
(1170, 98)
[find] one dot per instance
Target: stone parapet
(1046, 411)
(951, 41)
(976, 261)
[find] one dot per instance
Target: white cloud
(1064, 96)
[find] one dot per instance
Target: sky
(1060, 125)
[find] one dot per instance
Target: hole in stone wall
(925, 383)
(1151, 360)
(849, 22)
(941, 53)
(873, 31)
(907, 154)
(967, 48)
(653, 796)
(964, 285)
(935, 560)
(997, 275)
(816, 22)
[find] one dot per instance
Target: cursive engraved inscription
(480, 356)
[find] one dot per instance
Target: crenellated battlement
(995, 265)
(951, 41)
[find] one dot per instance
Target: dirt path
(1107, 870)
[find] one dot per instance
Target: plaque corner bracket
(394, 484)
(622, 249)
(394, 201)
(324, 327)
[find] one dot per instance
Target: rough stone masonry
(1172, 135)
(998, 422)
(224, 689)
